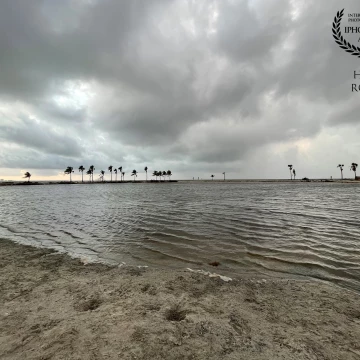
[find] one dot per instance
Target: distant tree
(102, 174)
(120, 169)
(134, 174)
(69, 170)
(92, 169)
(155, 174)
(158, 173)
(27, 175)
(290, 167)
(341, 166)
(353, 168)
(110, 168)
(123, 175)
(115, 171)
(146, 169)
(224, 175)
(81, 169)
(168, 173)
(294, 172)
(164, 174)
(212, 177)
(89, 173)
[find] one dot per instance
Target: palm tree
(134, 174)
(224, 175)
(92, 169)
(115, 171)
(146, 169)
(168, 173)
(81, 168)
(120, 169)
(155, 174)
(294, 172)
(290, 167)
(164, 174)
(212, 177)
(341, 166)
(353, 168)
(27, 175)
(69, 170)
(123, 175)
(102, 173)
(110, 168)
(89, 173)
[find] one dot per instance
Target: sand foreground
(54, 307)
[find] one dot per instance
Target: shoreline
(56, 307)
(230, 181)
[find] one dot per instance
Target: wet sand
(55, 307)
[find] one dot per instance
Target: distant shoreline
(26, 183)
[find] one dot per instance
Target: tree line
(158, 174)
(90, 172)
(353, 168)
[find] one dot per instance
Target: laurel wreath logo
(339, 39)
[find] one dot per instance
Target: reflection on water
(309, 229)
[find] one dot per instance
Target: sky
(197, 87)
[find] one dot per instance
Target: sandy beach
(55, 307)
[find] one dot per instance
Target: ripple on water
(293, 228)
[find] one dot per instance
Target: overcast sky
(198, 87)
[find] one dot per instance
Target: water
(308, 229)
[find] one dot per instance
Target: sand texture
(54, 307)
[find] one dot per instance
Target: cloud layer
(198, 87)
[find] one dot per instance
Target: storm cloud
(200, 87)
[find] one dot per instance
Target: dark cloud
(346, 115)
(182, 83)
(40, 136)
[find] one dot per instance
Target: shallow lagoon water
(307, 229)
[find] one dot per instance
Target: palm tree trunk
(82, 176)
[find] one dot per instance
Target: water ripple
(299, 229)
